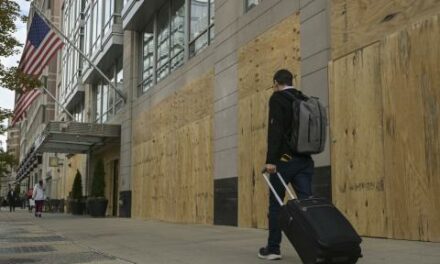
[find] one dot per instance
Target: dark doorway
(115, 190)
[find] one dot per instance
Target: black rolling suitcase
(317, 230)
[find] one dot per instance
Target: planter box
(97, 207)
(77, 207)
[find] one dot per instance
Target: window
(78, 112)
(177, 33)
(251, 4)
(172, 36)
(98, 105)
(163, 43)
(88, 31)
(97, 25)
(201, 25)
(148, 58)
(72, 18)
(120, 86)
(78, 9)
(107, 100)
(108, 11)
(99, 17)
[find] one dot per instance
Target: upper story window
(170, 37)
(148, 57)
(71, 62)
(201, 25)
(251, 4)
(163, 42)
(107, 101)
(71, 16)
(120, 85)
(96, 24)
(99, 17)
(78, 111)
(166, 40)
(177, 33)
(108, 12)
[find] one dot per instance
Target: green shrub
(98, 182)
(77, 187)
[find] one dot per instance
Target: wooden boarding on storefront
(258, 60)
(384, 109)
(173, 159)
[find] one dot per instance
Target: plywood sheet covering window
(385, 134)
(258, 60)
(357, 136)
(357, 23)
(411, 93)
(172, 157)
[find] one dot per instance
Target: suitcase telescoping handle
(266, 177)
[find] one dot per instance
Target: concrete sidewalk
(134, 241)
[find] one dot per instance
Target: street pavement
(66, 239)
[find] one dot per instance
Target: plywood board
(275, 49)
(358, 23)
(258, 60)
(174, 173)
(357, 140)
(411, 63)
(384, 108)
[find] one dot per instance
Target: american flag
(41, 45)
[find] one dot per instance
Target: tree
(6, 162)
(12, 78)
(98, 181)
(77, 187)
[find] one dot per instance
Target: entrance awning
(76, 138)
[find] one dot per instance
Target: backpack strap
(295, 94)
(291, 95)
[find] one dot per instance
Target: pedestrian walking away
(12, 196)
(31, 202)
(23, 200)
(295, 168)
(38, 196)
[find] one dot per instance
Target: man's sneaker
(269, 254)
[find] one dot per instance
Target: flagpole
(43, 16)
(58, 103)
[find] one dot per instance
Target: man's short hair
(283, 77)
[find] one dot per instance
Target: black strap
(292, 94)
(295, 94)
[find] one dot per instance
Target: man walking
(23, 200)
(295, 168)
(11, 199)
(31, 202)
(38, 196)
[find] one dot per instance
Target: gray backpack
(309, 131)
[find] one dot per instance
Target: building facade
(13, 148)
(205, 122)
(186, 83)
(33, 166)
(182, 84)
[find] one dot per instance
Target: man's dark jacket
(279, 125)
(11, 196)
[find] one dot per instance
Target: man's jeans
(299, 172)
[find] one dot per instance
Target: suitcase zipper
(313, 206)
